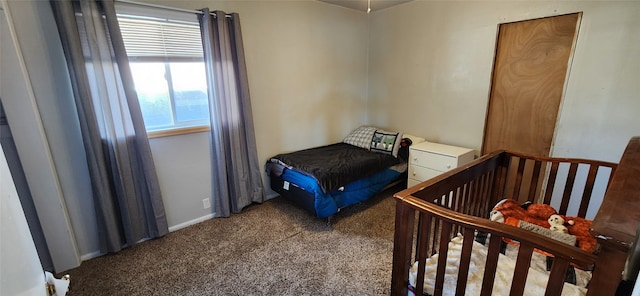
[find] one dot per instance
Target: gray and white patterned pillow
(361, 137)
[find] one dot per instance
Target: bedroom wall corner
(431, 63)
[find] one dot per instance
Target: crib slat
(445, 236)
(465, 259)
(434, 239)
(460, 201)
(521, 270)
(421, 249)
(402, 247)
(533, 186)
(491, 181)
(429, 233)
(475, 200)
(518, 181)
(556, 277)
(483, 193)
(588, 189)
(568, 188)
(457, 197)
(424, 221)
(499, 190)
(473, 192)
(484, 200)
(491, 265)
(551, 182)
(472, 199)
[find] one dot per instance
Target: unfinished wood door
(529, 73)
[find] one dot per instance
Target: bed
(325, 179)
(446, 244)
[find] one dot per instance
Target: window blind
(160, 39)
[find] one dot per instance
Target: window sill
(177, 131)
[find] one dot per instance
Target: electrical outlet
(206, 203)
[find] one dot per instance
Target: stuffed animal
(539, 211)
(507, 208)
(581, 228)
(510, 212)
(557, 223)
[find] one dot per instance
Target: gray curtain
(236, 173)
(126, 192)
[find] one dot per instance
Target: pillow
(361, 137)
(386, 142)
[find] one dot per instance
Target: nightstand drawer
(434, 161)
(427, 160)
(421, 173)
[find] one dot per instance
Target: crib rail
(454, 201)
(568, 181)
(435, 220)
(574, 186)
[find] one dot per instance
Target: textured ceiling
(362, 4)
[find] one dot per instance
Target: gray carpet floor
(271, 248)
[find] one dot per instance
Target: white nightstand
(427, 160)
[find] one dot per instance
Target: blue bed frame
(305, 192)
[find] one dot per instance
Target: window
(167, 65)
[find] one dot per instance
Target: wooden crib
(431, 213)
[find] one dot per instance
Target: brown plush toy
(510, 212)
(580, 229)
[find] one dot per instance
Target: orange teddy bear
(581, 229)
(510, 212)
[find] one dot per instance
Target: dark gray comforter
(333, 165)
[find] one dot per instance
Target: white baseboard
(171, 229)
(190, 222)
(91, 255)
(209, 216)
(95, 254)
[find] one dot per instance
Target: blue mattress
(327, 204)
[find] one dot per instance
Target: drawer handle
(414, 173)
(415, 158)
(448, 166)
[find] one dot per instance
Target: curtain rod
(164, 7)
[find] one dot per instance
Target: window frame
(133, 11)
(184, 125)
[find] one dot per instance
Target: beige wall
(317, 71)
(307, 64)
(430, 69)
(307, 67)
